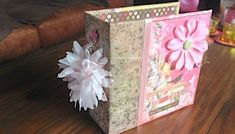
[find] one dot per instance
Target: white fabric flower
(85, 75)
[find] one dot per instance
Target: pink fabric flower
(189, 44)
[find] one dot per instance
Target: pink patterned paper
(173, 52)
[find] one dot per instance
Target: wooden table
(33, 100)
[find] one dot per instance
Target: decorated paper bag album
(140, 63)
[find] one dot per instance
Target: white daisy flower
(85, 75)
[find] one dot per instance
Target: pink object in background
(189, 5)
(229, 16)
(173, 51)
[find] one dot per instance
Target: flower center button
(188, 45)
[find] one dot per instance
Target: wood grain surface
(33, 100)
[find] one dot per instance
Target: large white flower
(85, 75)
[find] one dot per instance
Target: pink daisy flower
(189, 44)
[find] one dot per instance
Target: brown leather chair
(36, 24)
(64, 25)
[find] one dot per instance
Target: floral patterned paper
(122, 42)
